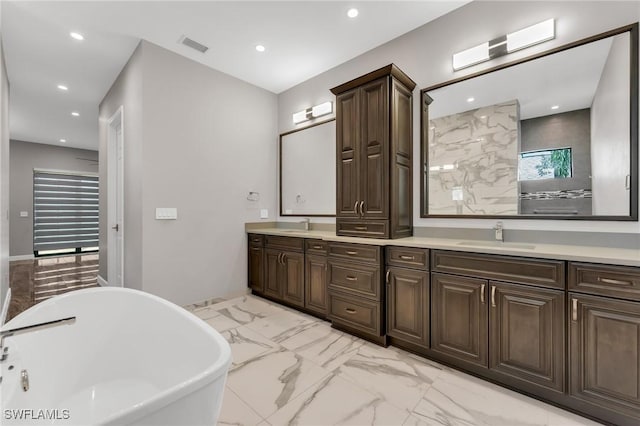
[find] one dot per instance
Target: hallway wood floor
(33, 281)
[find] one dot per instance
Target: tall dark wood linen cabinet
(374, 196)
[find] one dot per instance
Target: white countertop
(592, 254)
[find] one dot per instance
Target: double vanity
(557, 322)
(548, 321)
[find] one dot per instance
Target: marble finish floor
(293, 369)
(33, 281)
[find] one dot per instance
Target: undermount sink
(497, 244)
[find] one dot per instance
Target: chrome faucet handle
(28, 328)
(499, 231)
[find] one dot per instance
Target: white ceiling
(302, 39)
(567, 79)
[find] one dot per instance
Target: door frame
(115, 198)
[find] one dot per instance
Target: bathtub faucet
(27, 329)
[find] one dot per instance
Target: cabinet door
(315, 284)
(347, 143)
(374, 138)
(604, 353)
(527, 334)
(272, 285)
(408, 305)
(459, 318)
(256, 269)
(292, 278)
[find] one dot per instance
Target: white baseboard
(5, 307)
(102, 282)
(21, 257)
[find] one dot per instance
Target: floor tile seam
(228, 389)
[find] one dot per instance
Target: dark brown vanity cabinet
(315, 272)
(356, 301)
(408, 294)
(604, 341)
(513, 330)
(256, 263)
(284, 269)
(374, 155)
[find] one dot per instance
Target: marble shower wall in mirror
(552, 136)
(308, 171)
(475, 153)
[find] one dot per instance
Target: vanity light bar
(521, 39)
(313, 112)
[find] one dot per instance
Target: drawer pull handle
(355, 208)
(350, 311)
(350, 278)
(493, 296)
(574, 309)
(360, 228)
(387, 277)
(614, 282)
(482, 293)
(404, 257)
(352, 253)
(361, 208)
(256, 240)
(317, 247)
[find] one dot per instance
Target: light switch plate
(166, 213)
(264, 213)
(24, 214)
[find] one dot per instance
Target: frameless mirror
(552, 136)
(308, 171)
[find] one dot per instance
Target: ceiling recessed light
(76, 36)
(63, 140)
(75, 114)
(260, 48)
(63, 87)
(555, 107)
(352, 13)
(471, 99)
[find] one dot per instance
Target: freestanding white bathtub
(130, 358)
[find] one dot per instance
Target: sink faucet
(307, 222)
(28, 328)
(498, 230)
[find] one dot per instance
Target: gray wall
(610, 134)
(126, 91)
(26, 156)
(425, 55)
(204, 141)
(565, 130)
(4, 180)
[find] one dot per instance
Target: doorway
(115, 199)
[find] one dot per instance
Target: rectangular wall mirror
(551, 136)
(308, 171)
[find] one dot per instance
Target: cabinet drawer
(360, 280)
(356, 313)
(408, 257)
(356, 252)
(363, 228)
(605, 280)
(521, 270)
(256, 240)
(287, 243)
(316, 247)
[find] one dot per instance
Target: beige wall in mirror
(307, 171)
(548, 137)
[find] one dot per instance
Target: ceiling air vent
(193, 44)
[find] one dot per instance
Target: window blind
(65, 211)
